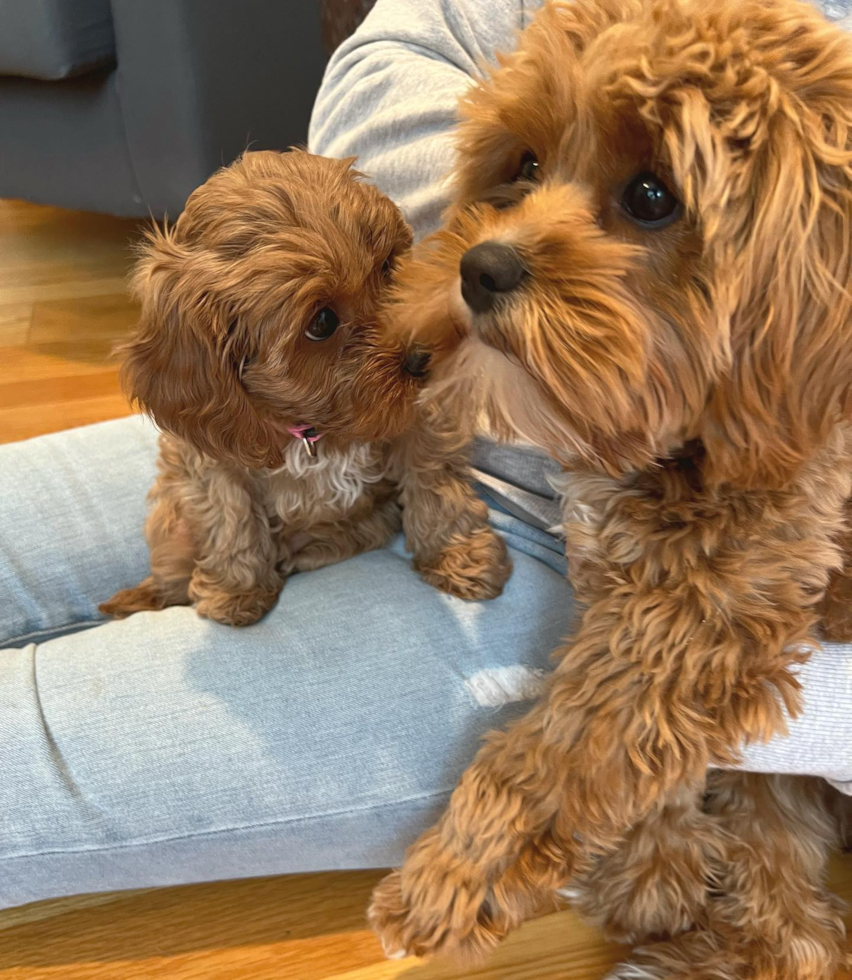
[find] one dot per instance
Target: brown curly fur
(836, 608)
(222, 362)
(695, 381)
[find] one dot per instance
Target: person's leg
(165, 749)
(72, 509)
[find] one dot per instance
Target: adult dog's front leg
(672, 669)
(601, 751)
(461, 888)
(561, 783)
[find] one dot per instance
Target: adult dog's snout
(417, 362)
(488, 271)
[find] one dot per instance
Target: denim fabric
(166, 748)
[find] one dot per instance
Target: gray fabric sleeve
(390, 93)
(820, 739)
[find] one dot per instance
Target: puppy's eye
(528, 169)
(648, 201)
(387, 266)
(323, 324)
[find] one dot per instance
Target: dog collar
(308, 436)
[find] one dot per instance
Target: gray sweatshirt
(389, 98)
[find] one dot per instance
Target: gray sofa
(125, 106)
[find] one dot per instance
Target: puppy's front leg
(446, 524)
(235, 580)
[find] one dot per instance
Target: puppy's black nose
(487, 270)
(417, 362)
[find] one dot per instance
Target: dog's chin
(510, 402)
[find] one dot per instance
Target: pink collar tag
(308, 436)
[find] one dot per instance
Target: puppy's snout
(487, 271)
(417, 362)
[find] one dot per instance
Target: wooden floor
(62, 304)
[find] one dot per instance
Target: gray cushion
(64, 145)
(52, 39)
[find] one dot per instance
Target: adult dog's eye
(647, 200)
(323, 324)
(528, 169)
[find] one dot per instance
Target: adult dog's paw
(436, 905)
(474, 567)
(387, 914)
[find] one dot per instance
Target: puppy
(650, 250)
(291, 432)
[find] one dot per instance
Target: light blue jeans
(167, 749)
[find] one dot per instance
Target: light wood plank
(63, 305)
(60, 290)
(309, 927)
(15, 323)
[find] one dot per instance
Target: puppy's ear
(183, 364)
(789, 242)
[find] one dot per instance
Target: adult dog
(653, 240)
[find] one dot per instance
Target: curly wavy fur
(696, 381)
(223, 361)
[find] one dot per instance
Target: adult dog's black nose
(417, 362)
(487, 270)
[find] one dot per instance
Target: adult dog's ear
(183, 364)
(789, 264)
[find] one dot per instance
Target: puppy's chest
(311, 490)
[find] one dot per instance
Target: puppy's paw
(437, 905)
(474, 567)
(235, 608)
(149, 595)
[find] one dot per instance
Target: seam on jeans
(81, 623)
(62, 770)
(223, 830)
